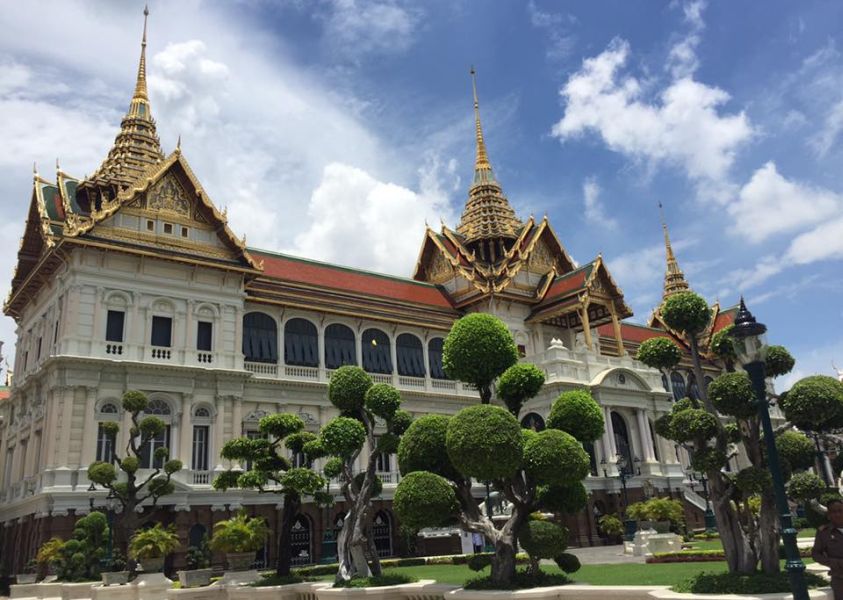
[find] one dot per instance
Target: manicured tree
(519, 383)
(478, 349)
(343, 439)
(80, 557)
(134, 492)
(271, 472)
(723, 347)
(660, 353)
(439, 456)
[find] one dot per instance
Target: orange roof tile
(631, 332)
(299, 270)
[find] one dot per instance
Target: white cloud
(356, 28)
(682, 126)
(823, 140)
(559, 29)
(770, 203)
(595, 212)
(360, 221)
(822, 243)
(682, 59)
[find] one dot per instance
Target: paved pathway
(601, 555)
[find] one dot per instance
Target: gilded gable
(169, 195)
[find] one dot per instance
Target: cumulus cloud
(682, 59)
(356, 28)
(681, 126)
(769, 204)
(595, 212)
(558, 27)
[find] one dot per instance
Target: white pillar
(644, 435)
(609, 435)
(219, 434)
(90, 428)
(185, 432)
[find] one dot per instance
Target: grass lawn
(807, 533)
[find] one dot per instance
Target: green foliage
(134, 401)
(577, 413)
(478, 349)
(742, 583)
(797, 449)
(637, 511)
(423, 499)
(383, 400)
(102, 473)
(484, 442)
(422, 447)
(665, 509)
(79, 558)
(778, 361)
(733, 394)
(302, 480)
(805, 486)
(519, 383)
(49, 552)
(567, 562)
(280, 425)
(555, 457)
(478, 562)
(543, 539)
(753, 480)
(723, 344)
(814, 403)
(296, 441)
(110, 428)
(239, 534)
(385, 579)
(815, 518)
(343, 436)
(659, 353)
(150, 427)
(155, 542)
(161, 454)
(610, 525)
(347, 388)
(388, 443)
(693, 424)
(377, 484)
(733, 432)
(160, 486)
(172, 466)
(401, 421)
(663, 426)
(563, 499)
(686, 312)
(333, 467)
(199, 557)
(708, 458)
(681, 404)
(523, 579)
(314, 449)
(226, 479)
(130, 464)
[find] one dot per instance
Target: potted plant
(665, 513)
(198, 572)
(115, 571)
(638, 512)
(611, 527)
(239, 537)
(150, 546)
(47, 557)
(29, 574)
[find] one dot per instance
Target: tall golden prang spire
(674, 278)
(481, 160)
(140, 85)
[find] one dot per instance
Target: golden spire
(136, 147)
(674, 279)
(487, 214)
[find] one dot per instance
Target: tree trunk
(503, 562)
(768, 529)
(740, 556)
(485, 393)
(375, 560)
(292, 505)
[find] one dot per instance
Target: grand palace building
(131, 278)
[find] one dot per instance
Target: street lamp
(111, 502)
(710, 521)
(624, 474)
(751, 349)
(329, 544)
(92, 492)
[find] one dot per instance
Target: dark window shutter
(114, 326)
(434, 351)
(204, 334)
(162, 331)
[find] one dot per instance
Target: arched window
(260, 338)
(109, 408)
(665, 383)
(195, 535)
(301, 343)
(202, 411)
(376, 353)
(678, 385)
(693, 388)
(157, 406)
(300, 542)
(622, 442)
(340, 346)
(533, 421)
(434, 354)
(382, 533)
(653, 439)
(410, 354)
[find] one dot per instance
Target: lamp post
(111, 505)
(92, 491)
(329, 544)
(624, 474)
(751, 349)
(710, 520)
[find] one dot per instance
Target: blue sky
(335, 128)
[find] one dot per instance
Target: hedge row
(704, 555)
(391, 563)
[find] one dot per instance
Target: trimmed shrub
(422, 447)
(383, 400)
(134, 401)
(424, 499)
(708, 458)
(568, 562)
(693, 423)
(797, 449)
(281, 425)
(519, 383)
(543, 539)
(741, 583)
(753, 480)
(484, 442)
(778, 361)
(733, 394)
(478, 349)
(805, 486)
(575, 412)
(564, 499)
(723, 344)
(343, 436)
(686, 312)
(813, 402)
(347, 388)
(555, 457)
(659, 353)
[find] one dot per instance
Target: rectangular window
(168, 228)
(7, 469)
(204, 335)
(114, 326)
(147, 451)
(105, 445)
(56, 331)
(298, 460)
(22, 459)
(38, 354)
(184, 232)
(36, 464)
(162, 331)
(200, 448)
(150, 225)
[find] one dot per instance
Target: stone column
(644, 435)
(186, 432)
(68, 395)
(90, 428)
(236, 419)
(609, 435)
(219, 434)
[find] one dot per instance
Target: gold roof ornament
(136, 146)
(674, 278)
(487, 214)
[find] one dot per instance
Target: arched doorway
(533, 421)
(195, 535)
(622, 443)
(382, 533)
(301, 549)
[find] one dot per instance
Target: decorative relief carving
(541, 260)
(440, 269)
(168, 194)
(308, 418)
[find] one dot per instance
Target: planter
(36, 590)
(645, 525)
(208, 592)
(818, 594)
(571, 591)
(195, 578)
(77, 591)
(405, 591)
(115, 578)
(26, 578)
(114, 592)
(239, 561)
(293, 591)
(152, 565)
(662, 526)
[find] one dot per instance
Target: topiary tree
(797, 449)
(542, 540)
(271, 472)
(364, 408)
(660, 353)
(134, 492)
(478, 349)
(519, 383)
(80, 557)
(532, 470)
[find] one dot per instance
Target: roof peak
(481, 160)
(674, 278)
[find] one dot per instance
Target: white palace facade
(132, 279)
